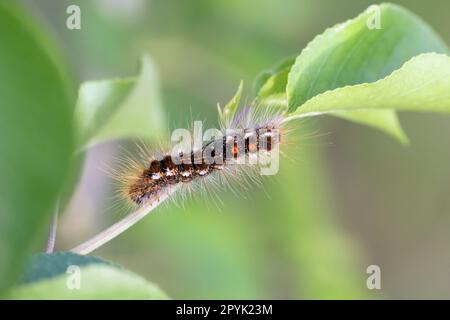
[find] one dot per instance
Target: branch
(53, 228)
(119, 227)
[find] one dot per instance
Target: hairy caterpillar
(246, 142)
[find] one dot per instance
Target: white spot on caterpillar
(156, 176)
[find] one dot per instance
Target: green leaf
(422, 84)
(263, 77)
(121, 108)
(352, 53)
(36, 137)
(273, 91)
(384, 120)
(227, 113)
(50, 276)
(43, 265)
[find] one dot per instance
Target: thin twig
(53, 228)
(119, 227)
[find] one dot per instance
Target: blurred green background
(347, 196)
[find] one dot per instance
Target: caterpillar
(247, 141)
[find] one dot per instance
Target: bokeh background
(347, 197)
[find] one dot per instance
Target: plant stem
(53, 228)
(119, 227)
